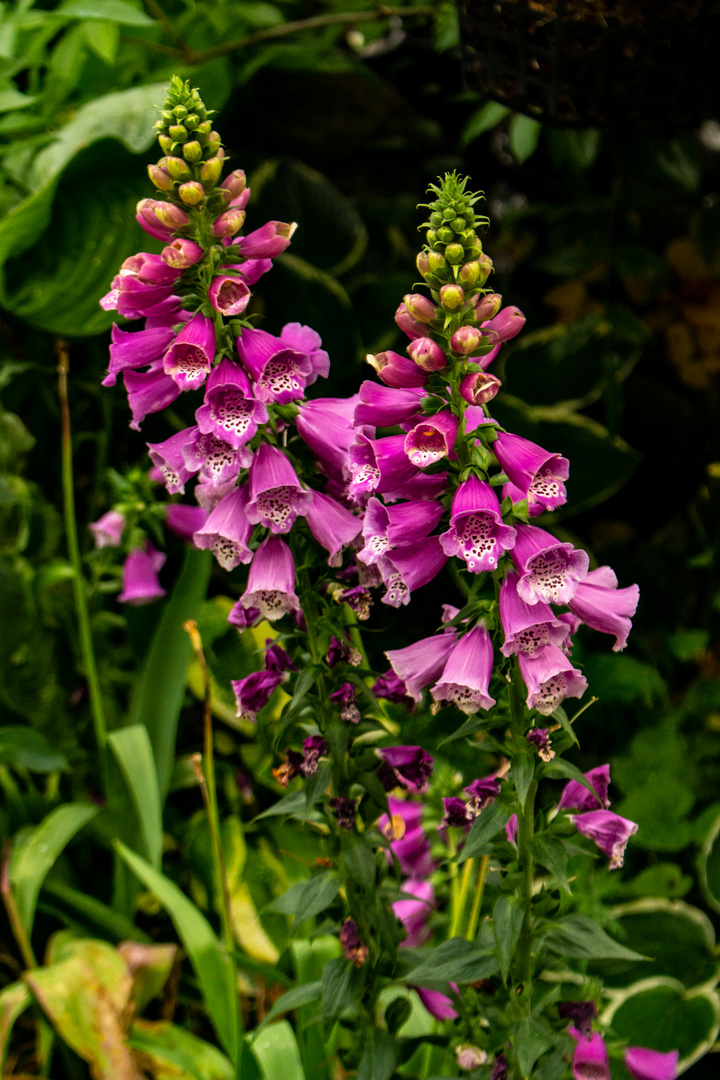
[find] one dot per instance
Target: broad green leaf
(103, 37)
(150, 967)
(477, 723)
(22, 747)
(116, 10)
(167, 1044)
(662, 1015)
(131, 746)
(294, 803)
(508, 916)
(378, 1060)
(86, 996)
(14, 999)
(359, 860)
(531, 1038)
(277, 1053)
(291, 999)
(456, 960)
(308, 898)
(709, 866)
(31, 863)
(487, 117)
(522, 771)
(485, 827)
(581, 937)
(550, 852)
(10, 99)
(87, 914)
(160, 689)
(523, 134)
(341, 987)
(213, 967)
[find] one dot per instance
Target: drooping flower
(437, 1004)
(185, 520)
(582, 1014)
(408, 324)
(431, 439)
(271, 581)
(480, 793)
(409, 567)
(345, 696)
(466, 676)
(540, 738)
(254, 691)
(421, 663)
(427, 354)
(169, 458)
(276, 496)
(387, 527)
(135, 349)
(601, 605)
(549, 570)
(385, 406)
(352, 946)
(644, 1064)
(279, 372)
(609, 831)
(590, 1058)
(342, 652)
(537, 473)
(408, 841)
(216, 461)
(229, 294)
(412, 765)
(227, 530)
(528, 627)
(266, 242)
(332, 525)
(455, 814)
(479, 387)
(230, 411)
(550, 678)
(391, 688)
(576, 796)
(414, 910)
(189, 359)
(276, 659)
(148, 392)
(345, 811)
(160, 219)
(140, 576)
(378, 465)
(107, 530)
(306, 340)
(326, 425)
(396, 370)
(477, 533)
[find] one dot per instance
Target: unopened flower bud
(465, 340)
(191, 121)
(431, 237)
(479, 387)
(192, 151)
(436, 262)
(427, 354)
(213, 142)
(420, 308)
(191, 193)
(407, 324)
(178, 168)
(229, 223)
(445, 234)
(452, 297)
(486, 267)
(170, 215)
(161, 178)
(472, 247)
(436, 219)
(178, 133)
(210, 170)
(422, 262)
(180, 112)
(487, 307)
(470, 1057)
(455, 253)
(181, 253)
(469, 273)
(235, 183)
(168, 117)
(166, 143)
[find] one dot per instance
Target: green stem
(86, 643)
(462, 898)
(526, 826)
(477, 898)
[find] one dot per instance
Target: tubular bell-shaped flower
(216, 460)
(149, 392)
(609, 831)
(190, 357)
(601, 605)
(230, 412)
(278, 371)
(229, 294)
(643, 1064)
(332, 525)
(477, 533)
(276, 495)
(227, 530)
(550, 678)
(254, 691)
(271, 581)
(408, 842)
(385, 406)
(140, 576)
(590, 1059)
(169, 458)
(576, 796)
(396, 370)
(409, 567)
(413, 911)
(421, 663)
(306, 340)
(378, 465)
(431, 439)
(528, 627)
(538, 474)
(549, 570)
(326, 425)
(135, 349)
(412, 765)
(466, 675)
(387, 527)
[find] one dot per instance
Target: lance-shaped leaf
(456, 960)
(508, 915)
(14, 999)
(277, 1053)
(131, 746)
(581, 937)
(485, 828)
(166, 1050)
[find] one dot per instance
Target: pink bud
(235, 183)
(229, 295)
(420, 308)
(407, 324)
(452, 297)
(181, 253)
(478, 387)
(161, 178)
(229, 223)
(170, 215)
(487, 307)
(423, 263)
(427, 354)
(268, 241)
(505, 325)
(465, 340)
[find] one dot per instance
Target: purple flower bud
(169, 215)
(480, 794)
(470, 1057)
(414, 910)
(345, 811)
(140, 576)
(609, 831)
(590, 1059)
(148, 220)
(486, 307)
(478, 387)
(148, 269)
(536, 472)
(235, 183)
(396, 370)
(477, 533)
(107, 531)
(505, 325)
(550, 678)
(427, 354)
(466, 340)
(227, 530)
(466, 675)
(412, 765)
(437, 1004)
(268, 241)
(276, 495)
(229, 223)
(645, 1064)
(540, 738)
(582, 1014)
(500, 1068)
(352, 946)
(181, 253)
(549, 570)
(254, 691)
(185, 520)
(602, 606)
(276, 659)
(511, 829)
(528, 627)
(421, 663)
(228, 294)
(432, 439)
(190, 357)
(452, 296)
(271, 581)
(576, 796)
(455, 814)
(345, 696)
(408, 324)
(420, 308)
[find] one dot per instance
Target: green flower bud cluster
(452, 261)
(193, 161)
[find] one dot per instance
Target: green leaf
(456, 960)
(131, 746)
(293, 804)
(522, 771)
(662, 1015)
(291, 999)
(581, 937)
(159, 692)
(508, 916)
(709, 866)
(10, 99)
(485, 827)
(14, 999)
(169, 1045)
(378, 1060)
(477, 723)
(531, 1038)
(103, 37)
(277, 1053)
(550, 853)
(116, 10)
(303, 685)
(359, 860)
(23, 747)
(341, 986)
(213, 967)
(31, 863)
(486, 118)
(84, 912)
(523, 134)
(560, 768)
(317, 893)
(563, 720)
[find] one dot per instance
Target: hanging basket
(650, 64)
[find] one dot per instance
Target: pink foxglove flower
(427, 354)
(505, 325)
(326, 425)
(230, 411)
(477, 533)
(229, 294)
(466, 675)
(185, 520)
(412, 765)
(414, 910)
(550, 678)
(410, 567)
(160, 219)
(140, 576)
(590, 1059)
(169, 458)
(421, 663)
(643, 1064)
(538, 474)
(215, 460)
(396, 370)
(408, 842)
(271, 581)
(609, 831)
(549, 570)
(432, 439)
(378, 465)
(479, 387)
(227, 530)
(276, 495)
(385, 406)
(149, 392)
(528, 627)
(190, 357)
(388, 527)
(581, 1013)
(306, 340)
(278, 371)
(266, 242)
(254, 691)
(455, 814)
(437, 1004)
(408, 324)
(181, 253)
(576, 796)
(135, 349)
(601, 605)
(107, 531)
(332, 525)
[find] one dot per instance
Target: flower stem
(86, 643)
(526, 825)
(477, 898)
(462, 898)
